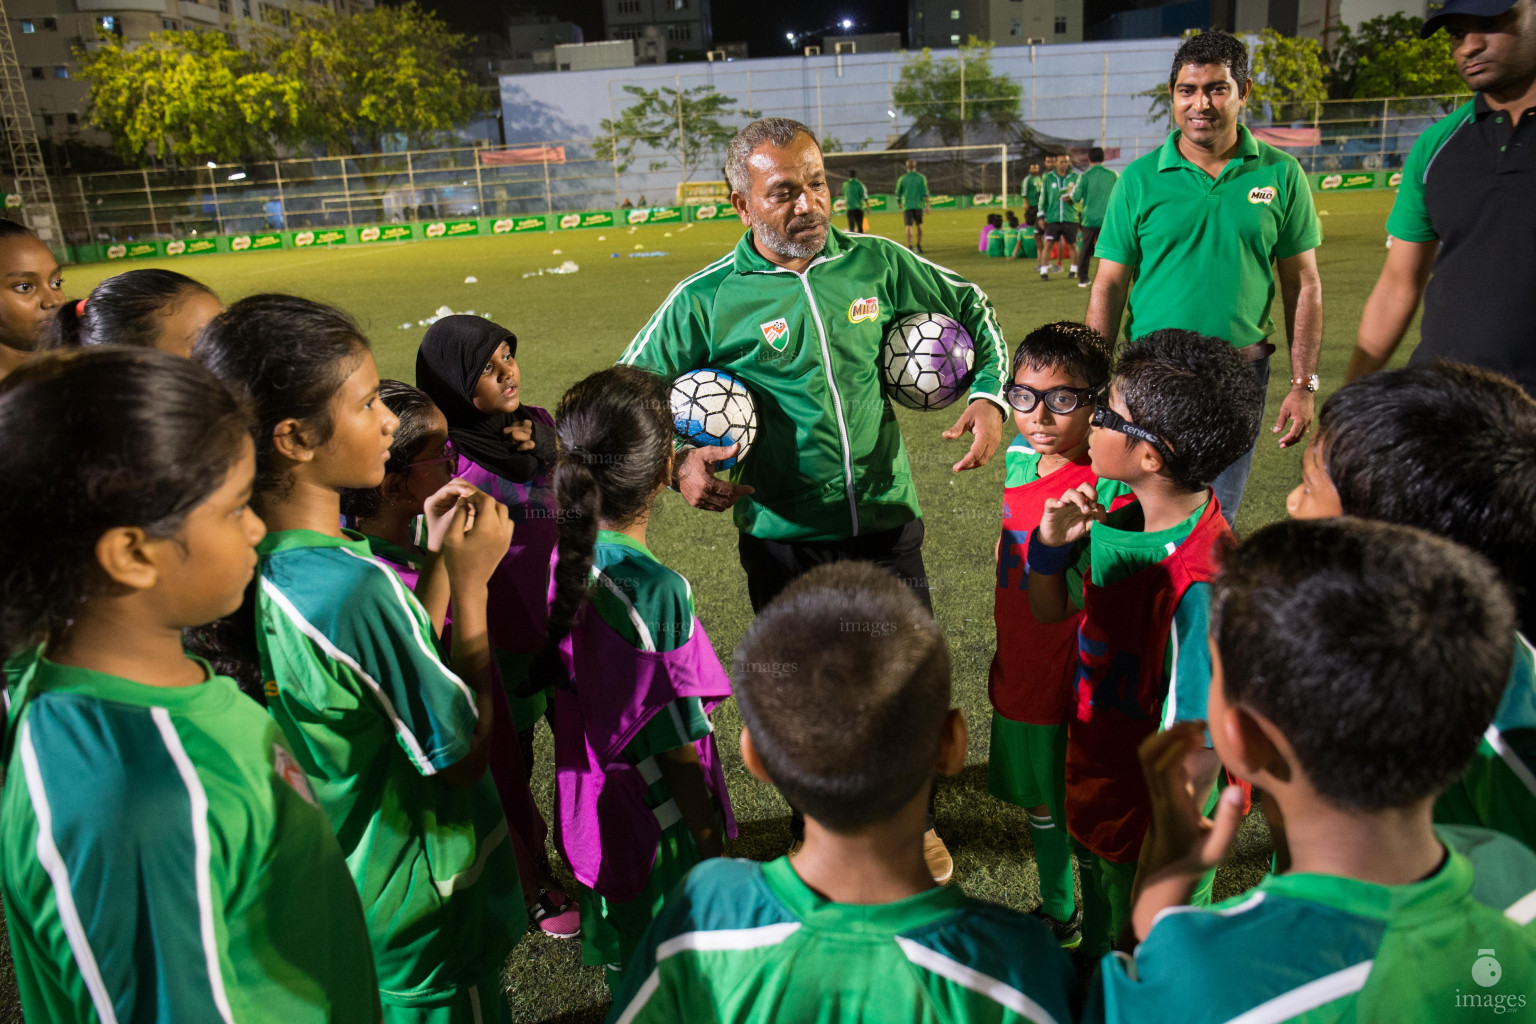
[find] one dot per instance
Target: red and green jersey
(1498, 790)
(741, 942)
(372, 713)
(1321, 949)
(165, 860)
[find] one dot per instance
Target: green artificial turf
(570, 325)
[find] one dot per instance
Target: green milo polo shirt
(912, 190)
(1201, 249)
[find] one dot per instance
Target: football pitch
(569, 325)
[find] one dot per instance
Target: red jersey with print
(1121, 687)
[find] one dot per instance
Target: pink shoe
(555, 915)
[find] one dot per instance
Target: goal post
(951, 170)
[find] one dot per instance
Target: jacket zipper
(837, 398)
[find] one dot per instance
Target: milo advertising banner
(517, 225)
(988, 199)
(713, 211)
(876, 202)
(321, 236)
(452, 228)
(942, 202)
(385, 233)
(13, 200)
(1394, 179)
(255, 243)
(594, 219)
(1345, 182)
(654, 215)
(132, 250)
(191, 246)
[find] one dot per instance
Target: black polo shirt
(1470, 182)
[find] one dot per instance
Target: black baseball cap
(1439, 13)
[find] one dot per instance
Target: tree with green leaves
(1288, 77)
(671, 127)
(187, 97)
(953, 93)
(1386, 57)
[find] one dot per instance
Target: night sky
(734, 20)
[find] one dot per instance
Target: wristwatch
(1311, 383)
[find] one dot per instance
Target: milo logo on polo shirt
(863, 309)
(1265, 195)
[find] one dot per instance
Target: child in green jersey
(1355, 665)
(393, 741)
(844, 686)
(164, 857)
(640, 794)
(1381, 452)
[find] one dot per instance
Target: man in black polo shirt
(1465, 216)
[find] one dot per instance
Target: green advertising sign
(942, 202)
(988, 199)
(654, 215)
(517, 225)
(385, 233)
(321, 236)
(132, 250)
(191, 246)
(595, 219)
(876, 202)
(713, 211)
(1345, 182)
(12, 200)
(452, 228)
(253, 243)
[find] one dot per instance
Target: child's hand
(477, 539)
(520, 434)
(1069, 519)
(438, 510)
(1181, 841)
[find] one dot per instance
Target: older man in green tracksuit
(798, 311)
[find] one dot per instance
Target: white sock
(1072, 269)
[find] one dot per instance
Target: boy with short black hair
(1179, 410)
(1380, 452)
(1404, 640)
(1057, 371)
(844, 687)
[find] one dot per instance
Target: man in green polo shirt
(1092, 195)
(854, 194)
(1198, 230)
(912, 193)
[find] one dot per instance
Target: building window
(245, 8)
(954, 14)
(107, 23)
(628, 32)
(27, 27)
(1061, 25)
(677, 5)
(71, 119)
(169, 24)
(954, 40)
(680, 33)
(51, 24)
(47, 120)
(60, 71)
(274, 15)
(629, 6)
(1016, 27)
(224, 6)
(37, 72)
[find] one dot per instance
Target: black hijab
(448, 364)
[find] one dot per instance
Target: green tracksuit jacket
(828, 462)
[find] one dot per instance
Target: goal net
(950, 170)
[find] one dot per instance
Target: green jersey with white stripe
(1498, 790)
(745, 942)
(1309, 949)
(165, 860)
(356, 682)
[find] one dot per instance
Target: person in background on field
(1060, 214)
(912, 194)
(1463, 227)
(1092, 195)
(1034, 196)
(1199, 232)
(994, 223)
(854, 196)
(33, 289)
(149, 308)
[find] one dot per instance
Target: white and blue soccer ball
(711, 408)
(926, 360)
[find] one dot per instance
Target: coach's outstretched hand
(697, 483)
(985, 420)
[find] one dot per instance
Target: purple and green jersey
(1309, 949)
(166, 861)
(372, 713)
(741, 943)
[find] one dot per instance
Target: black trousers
(1085, 251)
(855, 220)
(771, 565)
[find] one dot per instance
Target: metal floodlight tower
(26, 155)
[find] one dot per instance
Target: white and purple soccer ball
(711, 408)
(926, 360)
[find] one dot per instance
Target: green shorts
(480, 1003)
(1028, 765)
